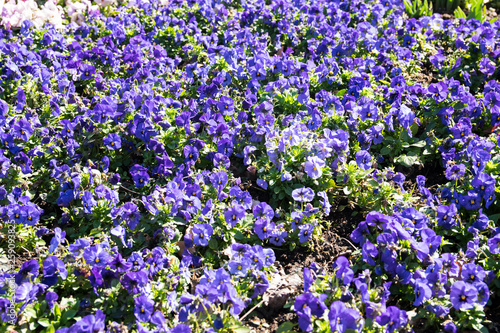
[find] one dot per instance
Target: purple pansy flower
(112, 141)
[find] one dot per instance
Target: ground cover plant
(160, 160)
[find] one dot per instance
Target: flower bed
(156, 156)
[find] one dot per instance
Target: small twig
(348, 241)
(25, 249)
(123, 187)
(250, 311)
(345, 253)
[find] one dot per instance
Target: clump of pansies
(156, 157)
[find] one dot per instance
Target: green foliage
(459, 13)
(447, 6)
(476, 10)
(418, 8)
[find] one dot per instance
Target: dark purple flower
(143, 308)
(462, 129)
(406, 117)
(41, 231)
(446, 216)
(471, 201)
(307, 305)
(86, 71)
(88, 202)
(136, 260)
(304, 194)
(234, 214)
(437, 60)
(342, 318)
(59, 236)
(343, 271)
(22, 129)
(463, 295)
(494, 244)
(305, 232)
(239, 268)
(53, 267)
(119, 264)
(313, 167)
(90, 323)
(308, 279)
(219, 180)
(51, 297)
(130, 214)
(226, 105)
(363, 160)
(28, 268)
(369, 251)
(264, 228)
(28, 293)
(191, 154)
(422, 292)
(96, 256)
(369, 111)
(139, 175)
(181, 328)
(112, 141)
(455, 171)
(262, 183)
(393, 317)
(450, 327)
(483, 293)
(438, 91)
(263, 211)
(486, 66)
(202, 234)
(472, 273)
(135, 282)
(483, 182)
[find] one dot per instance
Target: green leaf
(238, 235)
(30, 312)
(389, 140)
(179, 220)
(494, 217)
(340, 93)
(414, 126)
(213, 244)
(330, 183)
(347, 190)
(67, 315)
(50, 329)
(408, 7)
(419, 144)
(57, 310)
(45, 322)
(385, 151)
(483, 329)
(95, 232)
(239, 329)
(287, 326)
(407, 161)
(476, 10)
